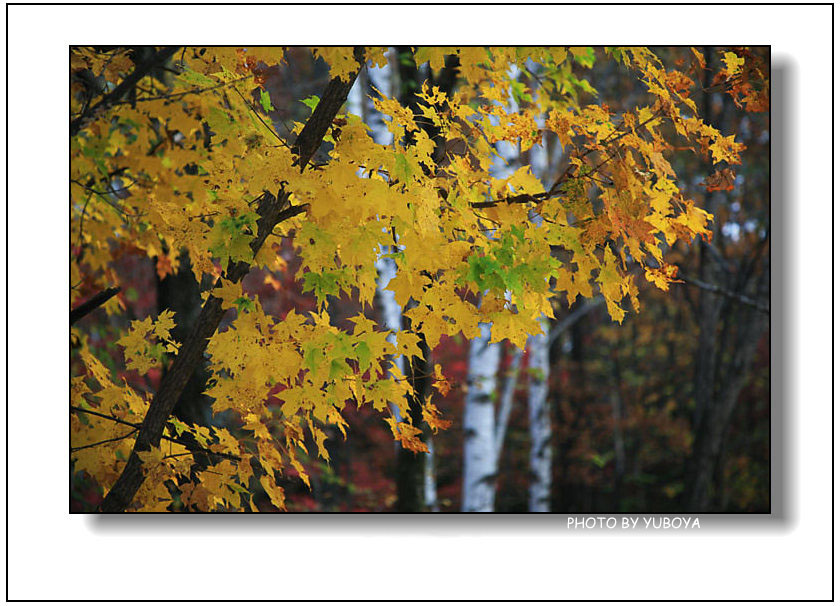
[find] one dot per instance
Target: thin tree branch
(81, 226)
(140, 72)
(97, 300)
(554, 190)
(256, 113)
(192, 447)
(740, 298)
(106, 199)
(104, 416)
(573, 318)
(117, 439)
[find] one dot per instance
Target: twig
(553, 191)
(573, 318)
(193, 448)
(104, 416)
(256, 113)
(195, 91)
(81, 225)
(80, 311)
(107, 200)
(117, 439)
(140, 72)
(725, 292)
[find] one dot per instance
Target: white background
(56, 555)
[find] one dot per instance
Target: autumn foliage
(189, 159)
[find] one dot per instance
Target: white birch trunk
(480, 428)
(506, 403)
(539, 422)
(429, 477)
(479, 424)
(505, 408)
(391, 312)
(539, 492)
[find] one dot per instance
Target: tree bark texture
(96, 301)
(181, 293)
(316, 127)
(506, 404)
(750, 325)
(539, 423)
(617, 406)
(411, 466)
(479, 474)
(724, 354)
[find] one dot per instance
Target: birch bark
(542, 157)
(479, 424)
(539, 424)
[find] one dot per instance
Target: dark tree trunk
(181, 293)
(708, 308)
(617, 405)
(729, 332)
(749, 326)
(410, 466)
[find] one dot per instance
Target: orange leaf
(431, 415)
(440, 382)
(409, 439)
(721, 180)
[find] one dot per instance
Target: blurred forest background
(667, 412)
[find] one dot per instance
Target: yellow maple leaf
(165, 322)
(733, 63)
(435, 55)
(340, 59)
(229, 292)
(662, 276)
(274, 492)
(725, 149)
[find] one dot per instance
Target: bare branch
(97, 300)
(140, 72)
(573, 318)
(740, 298)
(117, 439)
(192, 447)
